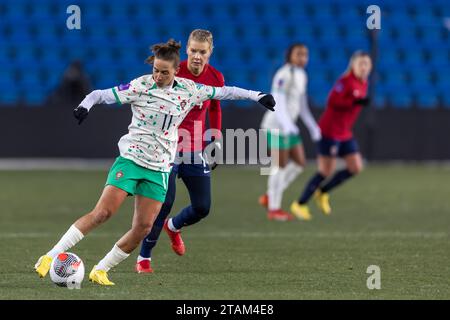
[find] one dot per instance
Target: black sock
(337, 179)
(312, 186)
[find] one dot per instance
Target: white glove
(316, 135)
(290, 129)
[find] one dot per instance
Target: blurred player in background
(159, 102)
(196, 175)
(287, 152)
(344, 104)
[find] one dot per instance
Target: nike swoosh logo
(148, 241)
(206, 171)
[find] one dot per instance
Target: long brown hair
(291, 48)
(169, 51)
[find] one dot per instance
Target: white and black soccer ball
(67, 270)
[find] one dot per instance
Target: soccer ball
(67, 270)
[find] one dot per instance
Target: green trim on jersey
(213, 93)
(275, 141)
(116, 96)
(125, 174)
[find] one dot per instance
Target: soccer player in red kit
(344, 104)
(189, 165)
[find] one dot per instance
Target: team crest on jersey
(119, 175)
(199, 86)
(124, 86)
(280, 82)
(183, 104)
(356, 93)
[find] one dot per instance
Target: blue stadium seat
(399, 99)
(439, 58)
(414, 46)
(388, 59)
(420, 78)
(380, 100)
(5, 55)
(42, 12)
(445, 98)
(395, 78)
(427, 100)
(9, 97)
(413, 58)
(18, 34)
(443, 78)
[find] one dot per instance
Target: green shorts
(134, 179)
(275, 141)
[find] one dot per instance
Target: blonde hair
(202, 35)
(357, 54)
(169, 51)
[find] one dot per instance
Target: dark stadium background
(410, 85)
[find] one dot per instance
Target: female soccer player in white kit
(159, 103)
(284, 141)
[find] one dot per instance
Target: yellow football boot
(323, 201)
(43, 265)
(100, 277)
(301, 211)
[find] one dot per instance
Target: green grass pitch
(396, 217)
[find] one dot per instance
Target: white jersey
(152, 136)
(289, 90)
(157, 113)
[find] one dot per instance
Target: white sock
(112, 259)
(275, 188)
(291, 171)
(171, 226)
(68, 240)
(139, 259)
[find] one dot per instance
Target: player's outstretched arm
(95, 97)
(235, 93)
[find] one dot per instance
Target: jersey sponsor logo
(124, 86)
(119, 175)
(339, 87)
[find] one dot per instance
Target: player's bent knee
(201, 211)
(143, 229)
(326, 173)
(356, 169)
(101, 215)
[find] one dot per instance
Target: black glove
(217, 146)
(362, 101)
(80, 113)
(267, 101)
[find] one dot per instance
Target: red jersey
(340, 114)
(211, 77)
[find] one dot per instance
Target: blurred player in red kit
(344, 104)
